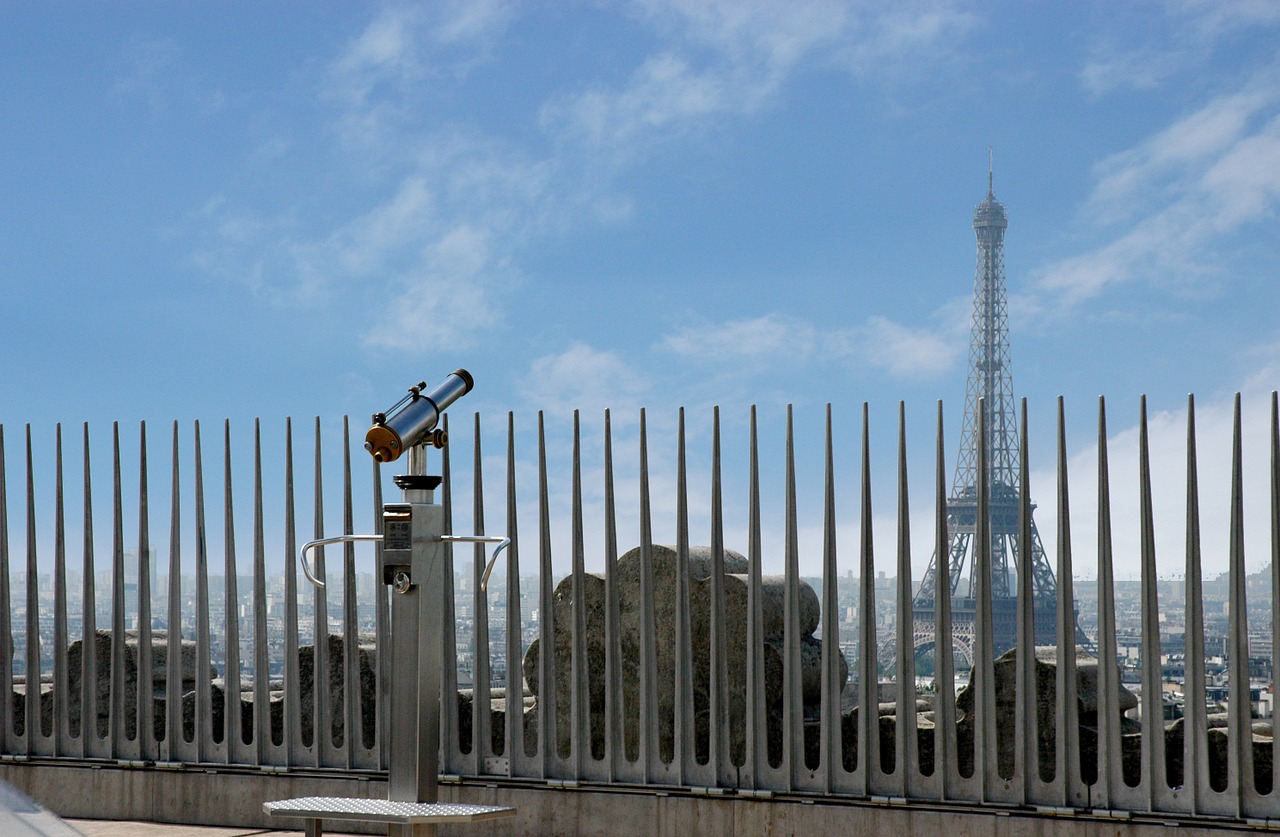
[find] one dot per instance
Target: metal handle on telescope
(306, 565)
(502, 542)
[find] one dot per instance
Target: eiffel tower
(989, 380)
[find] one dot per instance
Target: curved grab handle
(306, 565)
(501, 541)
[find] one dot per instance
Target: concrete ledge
(210, 795)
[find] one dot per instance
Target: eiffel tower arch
(990, 385)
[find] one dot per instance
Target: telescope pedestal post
(417, 634)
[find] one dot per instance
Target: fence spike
(90, 740)
(1153, 764)
(869, 758)
(1240, 780)
(1109, 770)
(682, 663)
(264, 747)
(905, 757)
(120, 746)
(580, 688)
(1195, 759)
(234, 747)
(793, 760)
(548, 718)
(174, 744)
(830, 750)
(481, 716)
(616, 716)
(1066, 772)
(208, 746)
(146, 684)
(61, 682)
(946, 765)
(515, 746)
(719, 734)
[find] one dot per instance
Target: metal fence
(306, 685)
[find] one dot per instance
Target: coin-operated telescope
(411, 560)
(412, 420)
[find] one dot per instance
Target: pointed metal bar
(1070, 790)
(906, 753)
(92, 744)
(297, 750)
(1155, 783)
(1240, 780)
(759, 771)
(793, 761)
(237, 751)
(830, 750)
(869, 762)
(1196, 790)
(61, 682)
(648, 733)
(1110, 774)
(352, 694)
(146, 683)
(481, 717)
(31, 705)
(265, 749)
(176, 747)
(616, 718)
(719, 734)
(580, 687)
(982, 679)
(1026, 750)
(682, 662)
(518, 758)
(548, 700)
(210, 749)
(325, 752)
(122, 745)
(945, 745)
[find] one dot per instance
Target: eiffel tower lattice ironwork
(990, 385)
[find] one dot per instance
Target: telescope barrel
(392, 435)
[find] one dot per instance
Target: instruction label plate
(397, 534)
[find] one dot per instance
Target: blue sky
(233, 210)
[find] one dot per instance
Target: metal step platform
(314, 809)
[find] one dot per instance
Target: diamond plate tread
(383, 810)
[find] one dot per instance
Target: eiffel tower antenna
(990, 388)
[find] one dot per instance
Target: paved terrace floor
(120, 828)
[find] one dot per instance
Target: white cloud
(1174, 38)
(743, 341)
(903, 351)
(447, 300)
(727, 58)
(1110, 69)
(762, 343)
(587, 379)
(1173, 195)
(1213, 18)
(383, 75)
